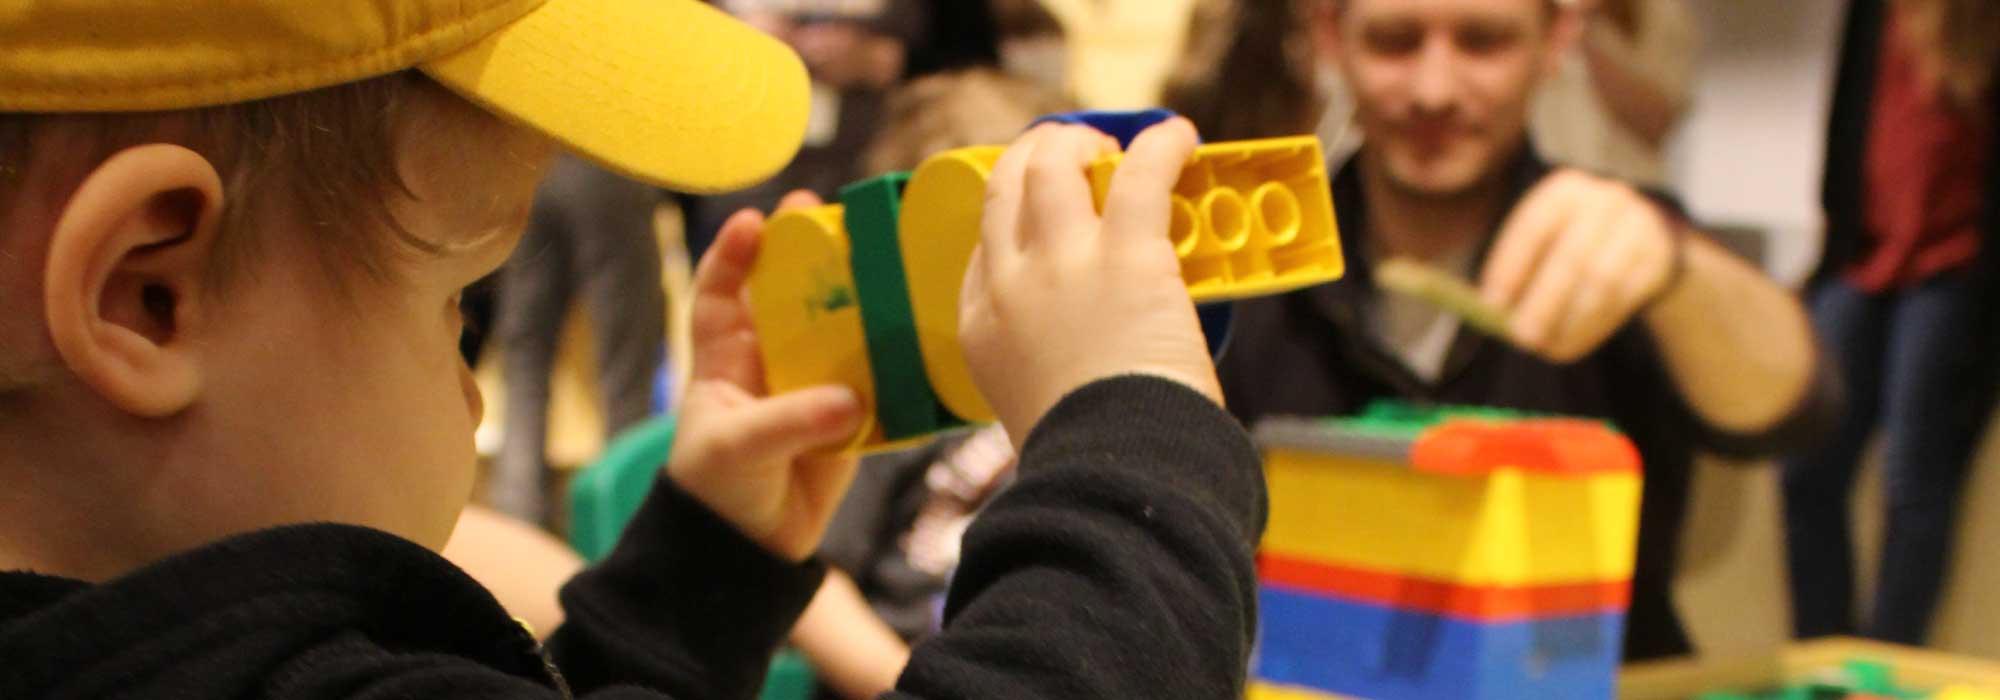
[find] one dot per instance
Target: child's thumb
(793, 423)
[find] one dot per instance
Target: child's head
(233, 311)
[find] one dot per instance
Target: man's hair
(331, 154)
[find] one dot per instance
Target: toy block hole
(1278, 210)
(1182, 228)
(1228, 219)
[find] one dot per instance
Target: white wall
(1750, 150)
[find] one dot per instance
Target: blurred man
(1619, 309)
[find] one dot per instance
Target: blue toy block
(1122, 125)
(1125, 126)
(1382, 653)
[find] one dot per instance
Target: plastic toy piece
(1382, 653)
(1123, 126)
(807, 312)
(1251, 218)
(866, 293)
(940, 227)
(905, 405)
(1506, 527)
(1427, 554)
(1462, 601)
(1445, 291)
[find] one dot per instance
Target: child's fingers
(1000, 219)
(779, 428)
(1138, 201)
(724, 346)
(1057, 198)
(722, 272)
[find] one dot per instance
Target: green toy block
(904, 401)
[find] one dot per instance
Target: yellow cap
(673, 92)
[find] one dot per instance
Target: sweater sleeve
(685, 604)
(1816, 414)
(1120, 565)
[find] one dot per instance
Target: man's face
(1442, 86)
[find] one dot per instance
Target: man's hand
(750, 458)
(1575, 260)
(1058, 296)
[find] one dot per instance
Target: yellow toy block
(1274, 691)
(804, 308)
(1960, 692)
(1507, 528)
(1250, 218)
(939, 228)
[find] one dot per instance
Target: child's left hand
(754, 459)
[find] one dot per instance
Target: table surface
(1920, 668)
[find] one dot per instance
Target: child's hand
(1058, 296)
(748, 457)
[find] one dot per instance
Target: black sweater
(1119, 567)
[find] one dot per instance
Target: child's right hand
(757, 461)
(1058, 296)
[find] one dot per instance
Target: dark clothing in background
(1309, 353)
(1904, 299)
(590, 235)
(1118, 567)
(1910, 369)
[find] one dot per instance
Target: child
(234, 426)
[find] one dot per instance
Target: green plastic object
(1871, 677)
(605, 496)
(904, 402)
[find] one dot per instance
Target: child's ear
(123, 288)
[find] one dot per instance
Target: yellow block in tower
(1507, 528)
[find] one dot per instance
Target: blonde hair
(332, 154)
(1960, 40)
(970, 107)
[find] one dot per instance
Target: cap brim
(672, 92)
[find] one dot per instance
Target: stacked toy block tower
(1470, 555)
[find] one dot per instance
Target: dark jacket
(1309, 353)
(1118, 567)
(1843, 184)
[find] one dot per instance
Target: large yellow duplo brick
(1250, 218)
(1509, 528)
(806, 312)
